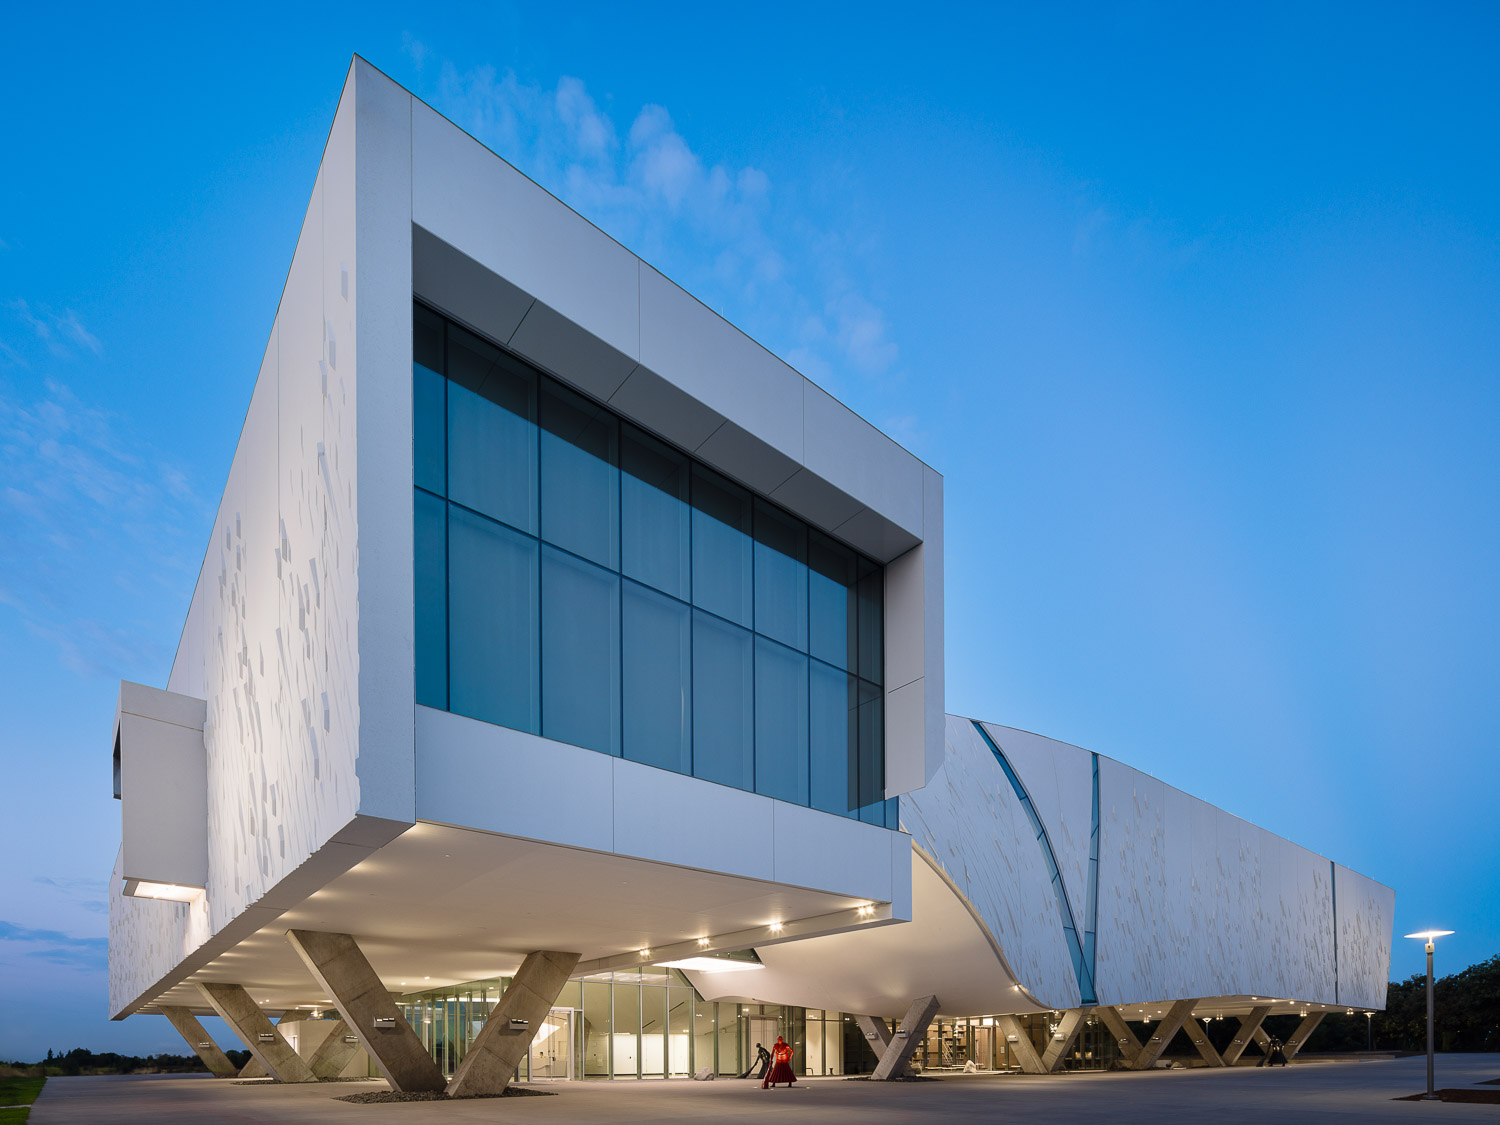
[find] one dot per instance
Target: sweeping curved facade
(554, 633)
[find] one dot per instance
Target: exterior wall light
(1429, 936)
(166, 892)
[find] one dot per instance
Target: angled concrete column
(1200, 1040)
(1165, 1031)
(253, 1069)
(1125, 1040)
(333, 1054)
(189, 1028)
(1304, 1030)
(1249, 1029)
(492, 1059)
(341, 970)
(247, 1021)
(899, 1050)
(877, 1033)
(1068, 1028)
(1019, 1041)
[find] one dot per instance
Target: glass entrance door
(552, 1049)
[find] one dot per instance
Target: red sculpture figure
(781, 1069)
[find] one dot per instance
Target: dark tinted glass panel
(870, 600)
(723, 707)
(580, 475)
(780, 722)
(721, 546)
(658, 679)
(493, 636)
(430, 534)
(831, 581)
(833, 742)
(780, 576)
(871, 747)
(427, 329)
(580, 652)
(654, 513)
(429, 442)
(491, 431)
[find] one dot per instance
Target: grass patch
(21, 1092)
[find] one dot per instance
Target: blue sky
(1195, 309)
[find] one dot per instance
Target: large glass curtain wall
(646, 1024)
(579, 579)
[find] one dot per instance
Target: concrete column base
(903, 1044)
(1017, 1039)
(1129, 1046)
(1304, 1032)
(1068, 1030)
(1166, 1030)
(189, 1028)
(342, 971)
(240, 1012)
(1200, 1040)
(333, 1054)
(490, 1063)
(1249, 1030)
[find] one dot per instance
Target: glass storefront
(649, 1023)
(579, 579)
(953, 1044)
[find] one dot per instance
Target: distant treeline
(80, 1060)
(1467, 1016)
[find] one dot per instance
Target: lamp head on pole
(1428, 936)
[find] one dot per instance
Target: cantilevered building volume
(562, 696)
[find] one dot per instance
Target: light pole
(1428, 936)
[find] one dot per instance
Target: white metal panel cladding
(969, 820)
(1192, 901)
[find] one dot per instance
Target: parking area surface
(1311, 1092)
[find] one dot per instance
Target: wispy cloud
(57, 948)
(87, 894)
(718, 228)
(96, 529)
(62, 332)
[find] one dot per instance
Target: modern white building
(562, 695)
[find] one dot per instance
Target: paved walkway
(1313, 1092)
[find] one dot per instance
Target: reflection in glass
(653, 1032)
(723, 710)
(832, 728)
(871, 743)
(580, 476)
(492, 437)
(781, 722)
(597, 1029)
(657, 640)
(429, 435)
(780, 576)
(871, 612)
(721, 546)
(580, 652)
(831, 606)
(627, 1035)
(493, 641)
(654, 513)
(430, 579)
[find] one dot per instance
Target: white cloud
(711, 225)
(62, 332)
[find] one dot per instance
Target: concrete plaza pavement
(1310, 1092)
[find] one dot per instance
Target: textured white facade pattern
(969, 820)
(1365, 909)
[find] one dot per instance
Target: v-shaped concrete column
(1304, 1031)
(1200, 1040)
(877, 1033)
(266, 1044)
(492, 1059)
(1017, 1039)
(189, 1028)
(1249, 1029)
(341, 970)
(1063, 1038)
(1166, 1030)
(899, 1050)
(253, 1069)
(333, 1054)
(1125, 1040)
